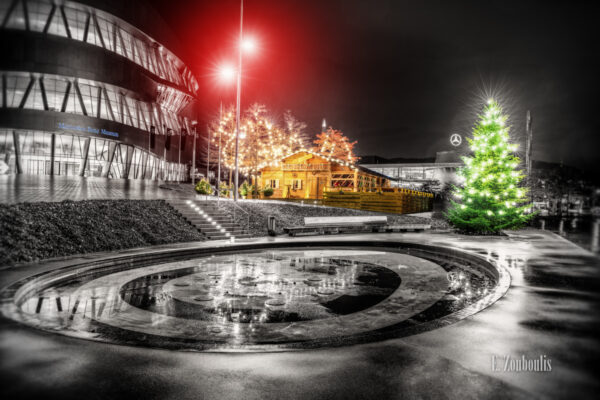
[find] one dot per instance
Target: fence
(388, 200)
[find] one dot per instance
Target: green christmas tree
(491, 198)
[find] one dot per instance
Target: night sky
(401, 76)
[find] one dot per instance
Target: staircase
(208, 219)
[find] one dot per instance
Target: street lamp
(194, 125)
(247, 44)
(226, 75)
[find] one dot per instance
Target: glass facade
(95, 27)
(70, 152)
(416, 175)
(47, 150)
(94, 99)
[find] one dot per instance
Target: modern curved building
(92, 88)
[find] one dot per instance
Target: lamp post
(179, 159)
(237, 102)
(227, 73)
(244, 45)
(219, 158)
(194, 125)
(208, 156)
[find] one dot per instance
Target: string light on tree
(333, 143)
(494, 199)
(262, 141)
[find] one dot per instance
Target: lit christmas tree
(491, 198)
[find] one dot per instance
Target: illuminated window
(77, 21)
(113, 97)
(4, 6)
(73, 103)
(89, 94)
(16, 19)
(132, 112)
(15, 89)
(34, 99)
(55, 92)
(57, 24)
(38, 11)
(106, 29)
(93, 37)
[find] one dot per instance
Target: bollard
(596, 236)
(561, 227)
(271, 225)
(543, 224)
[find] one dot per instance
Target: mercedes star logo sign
(455, 139)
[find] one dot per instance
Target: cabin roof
(341, 162)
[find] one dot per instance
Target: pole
(208, 156)
(219, 158)
(596, 236)
(238, 98)
(195, 124)
(528, 161)
(528, 144)
(149, 145)
(179, 159)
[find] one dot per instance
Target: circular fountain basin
(289, 298)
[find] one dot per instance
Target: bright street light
(248, 45)
(227, 73)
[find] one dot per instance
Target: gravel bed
(293, 215)
(35, 231)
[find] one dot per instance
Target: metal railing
(235, 207)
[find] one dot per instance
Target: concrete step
(217, 237)
(205, 224)
(200, 221)
(197, 214)
(206, 221)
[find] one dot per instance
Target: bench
(329, 225)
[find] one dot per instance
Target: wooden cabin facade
(306, 175)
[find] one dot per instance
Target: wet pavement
(261, 300)
(35, 188)
(550, 310)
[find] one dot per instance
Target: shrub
(243, 189)
(224, 189)
(268, 191)
(203, 187)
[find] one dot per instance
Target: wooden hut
(306, 175)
